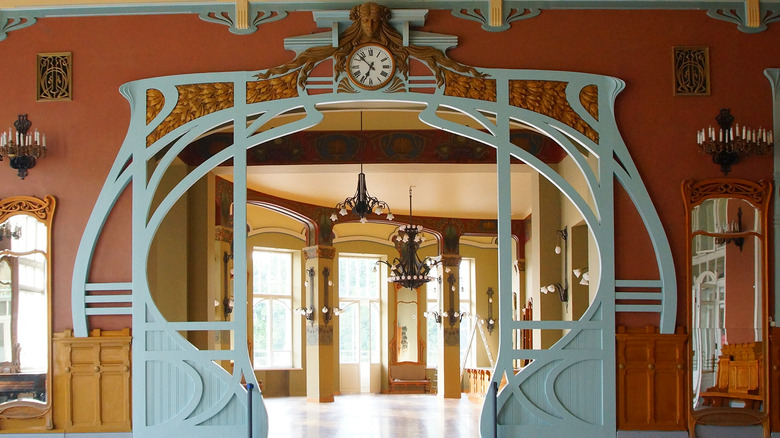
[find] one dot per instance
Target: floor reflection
(375, 416)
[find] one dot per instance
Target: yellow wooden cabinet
(92, 381)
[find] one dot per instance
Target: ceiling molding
(244, 17)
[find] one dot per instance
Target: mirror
(25, 328)
(728, 315)
(407, 326)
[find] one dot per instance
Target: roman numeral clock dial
(370, 66)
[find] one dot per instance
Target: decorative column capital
(319, 252)
(451, 260)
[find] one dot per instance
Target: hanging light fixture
(361, 203)
(408, 270)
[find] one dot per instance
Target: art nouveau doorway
(567, 388)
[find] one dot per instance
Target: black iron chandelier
(361, 203)
(408, 270)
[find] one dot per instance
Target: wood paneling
(774, 378)
(92, 381)
(651, 378)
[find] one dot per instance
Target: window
(465, 294)
(272, 308)
(359, 340)
(433, 349)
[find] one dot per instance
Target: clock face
(370, 66)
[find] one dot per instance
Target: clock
(370, 66)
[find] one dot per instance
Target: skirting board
(701, 432)
(70, 435)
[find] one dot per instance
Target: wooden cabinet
(651, 380)
(92, 382)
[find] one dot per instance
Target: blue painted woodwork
(178, 390)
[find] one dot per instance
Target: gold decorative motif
(282, 87)
(370, 24)
(55, 77)
(195, 100)
(755, 193)
(589, 98)
(155, 101)
(691, 71)
(549, 99)
(345, 86)
(470, 87)
(319, 251)
(451, 260)
(396, 86)
(223, 234)
(39, 208)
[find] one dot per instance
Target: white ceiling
(440, 190)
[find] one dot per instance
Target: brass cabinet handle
(679, 366)
(97, 369)
(650, 366)
(67, 369)
(125, 368)
(621, 366)
(774, 367)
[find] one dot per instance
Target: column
(320, 365)
(449, 365)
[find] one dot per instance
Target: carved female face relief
(370, 18)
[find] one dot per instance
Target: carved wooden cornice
(41, 209)
(757, 193)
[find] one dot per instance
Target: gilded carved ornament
(370, 24)
(469, 87)
(281, 87)
(195, 100)
(39, 208)
(751, 191)
(549, 99)
(319, 251)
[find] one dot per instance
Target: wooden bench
(738, 377)
(408, 375)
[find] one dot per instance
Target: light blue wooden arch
(567, 389)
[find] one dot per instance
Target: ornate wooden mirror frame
(14, 381)
(733, 390)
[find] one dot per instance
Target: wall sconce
(308, 312)
(728, 144)
(564, 235)
(228, 304)
(452, 315)
(7, 233)
(22, 149)
(563, 291)
(734, 227)
(489, 321)
(583, 275)
(328, 312)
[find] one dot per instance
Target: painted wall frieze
(750, 17)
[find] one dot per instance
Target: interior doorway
(359, 338)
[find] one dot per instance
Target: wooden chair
(738, 376)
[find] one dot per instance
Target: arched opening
(454, 178)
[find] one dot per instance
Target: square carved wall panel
(55, 77)
(691, 71)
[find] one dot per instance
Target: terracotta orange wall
(85, 134)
